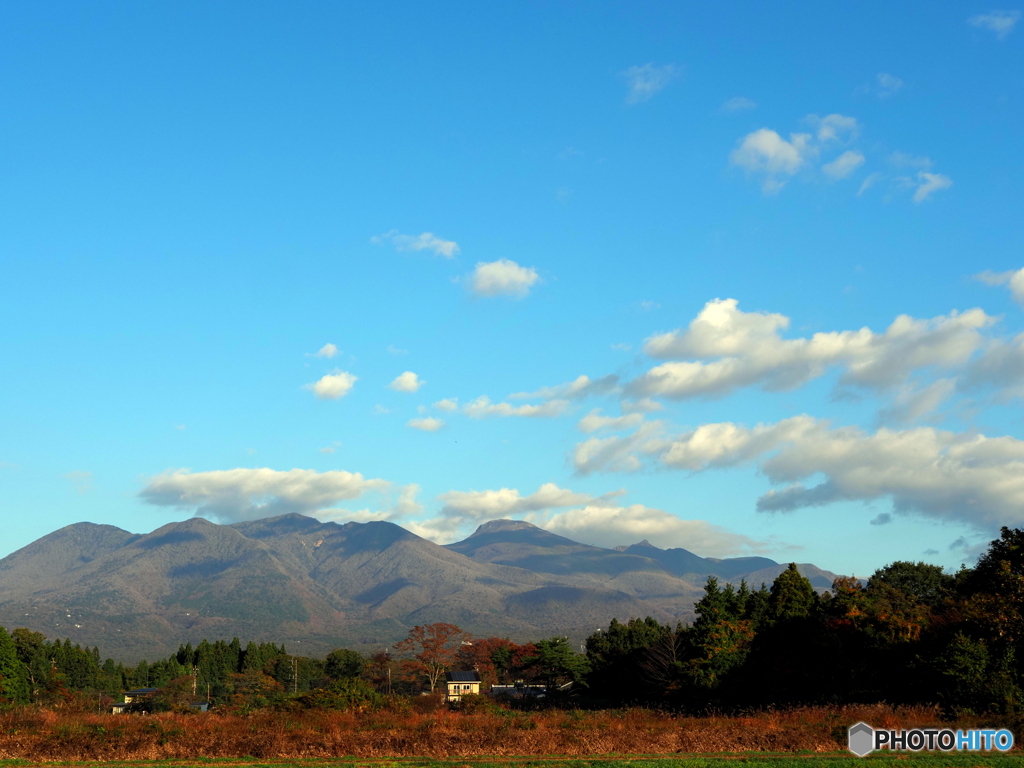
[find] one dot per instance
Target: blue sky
(259, 258)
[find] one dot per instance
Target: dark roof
(141, 691)
(462, 677)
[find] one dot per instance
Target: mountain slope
(682, 562)
(293, 579)
(317, 586)
(57, 554)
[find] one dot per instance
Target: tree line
(909, 634)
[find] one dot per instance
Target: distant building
(140, 700)
(136, 700)
(462, 684)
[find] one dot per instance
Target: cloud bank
(234, 495)
(958, 477)
(725, 348)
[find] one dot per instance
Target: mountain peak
(493, 526)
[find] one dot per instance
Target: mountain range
(318, 586)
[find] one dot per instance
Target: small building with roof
(461, 683)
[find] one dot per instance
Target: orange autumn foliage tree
(434, 649)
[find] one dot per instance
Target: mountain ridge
(319, 585)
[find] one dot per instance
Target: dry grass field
(490, 736)
(611, 761)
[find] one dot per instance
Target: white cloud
(888, 84)
(594, 421)
(482, 407)
(643, 405)
(328, 449)
(1001, 365)
(1013, 278)
(440, 530)
(739, 104)
(406, 382)
(929, 183)
(912, 404)
(333, 385)
(396, 350)
(1000, 22)
(405, 506)
(617, 454)
(961, 477)
(506, 502)
(922, 181)
(956, 477)
(746, 349)
(463, 510)
(380, 409)
(426, 241)
(869, 181)
(577, 389)
(427, 424)
(645, 81)
(250, 494)
(327, 350)
(610, 526)
(843, 165)
(502, 278)
(775, 160)
(449, 404)
(834, 127)
(766, 153)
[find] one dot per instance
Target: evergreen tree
(792, 596)
(342, 663)
(555, 663)
(720, 638)
(617, 658)
(14, 682)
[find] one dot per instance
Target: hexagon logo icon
(861, 739)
